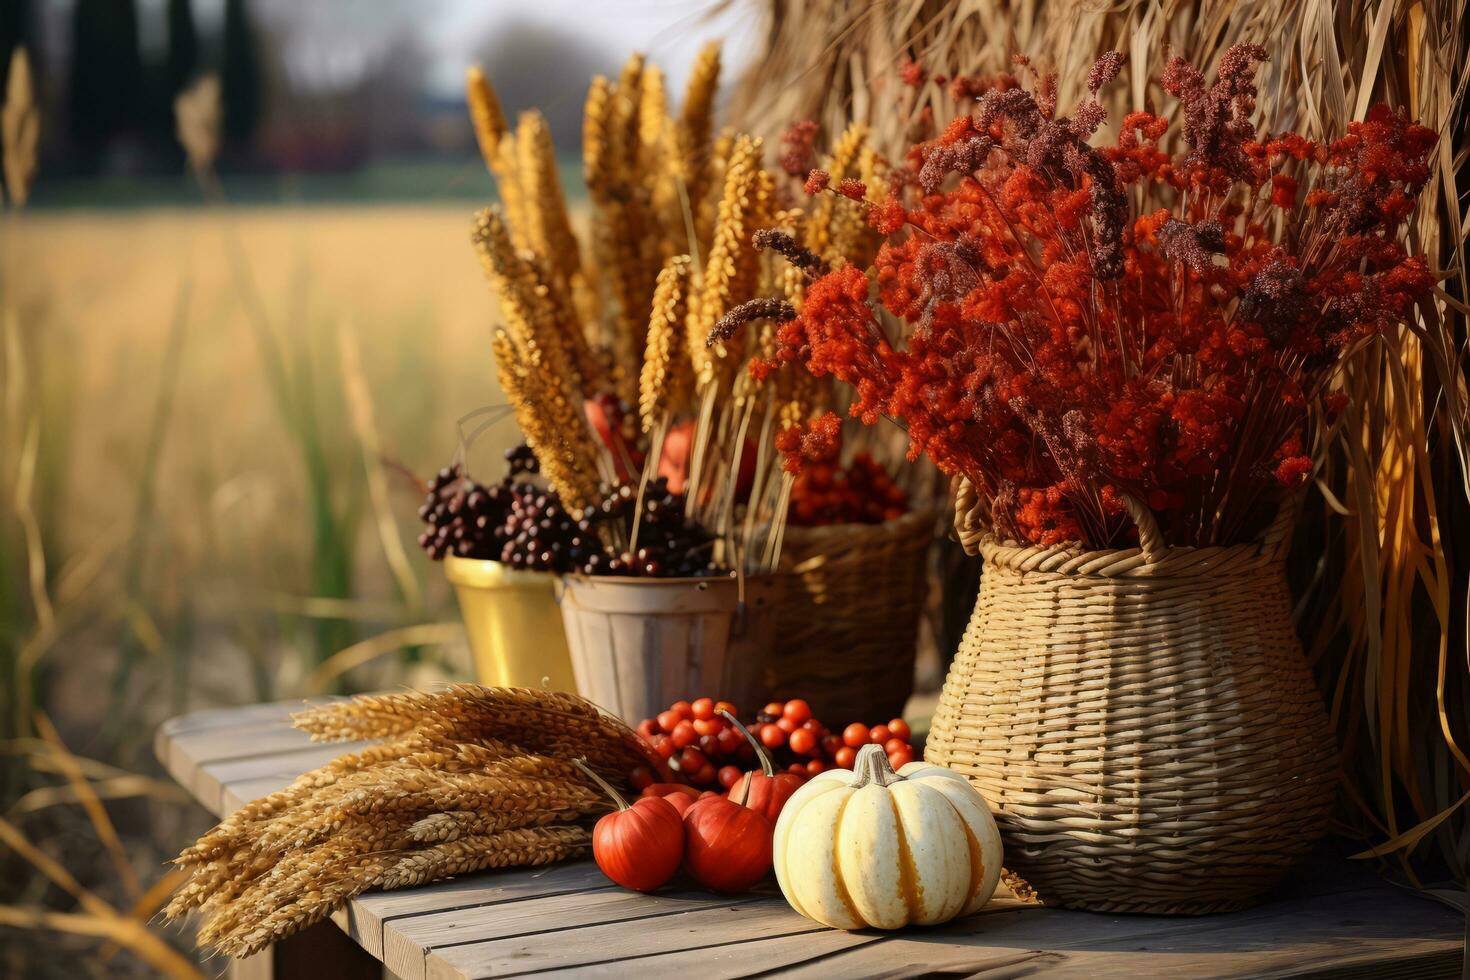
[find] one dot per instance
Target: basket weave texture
(1143, 722)
(848, 623)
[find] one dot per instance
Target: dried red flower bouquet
(1069, 325)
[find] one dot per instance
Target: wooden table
(1334, 920)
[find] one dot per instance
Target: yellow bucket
(514, 625)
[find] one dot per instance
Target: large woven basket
(848, 625)
(1143, 722)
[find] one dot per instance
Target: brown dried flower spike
(20, 127)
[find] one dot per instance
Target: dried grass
(1385, 594)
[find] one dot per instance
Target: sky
(450, 32)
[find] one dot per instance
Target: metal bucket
(513, 624)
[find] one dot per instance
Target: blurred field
(202, 498)
(230, 528)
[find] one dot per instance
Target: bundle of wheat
(1379, 584)
(464, 779)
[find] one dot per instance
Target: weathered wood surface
(1335, 920)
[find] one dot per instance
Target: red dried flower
(1082, 325)
(798, 147)
(817, 181)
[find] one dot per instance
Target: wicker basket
(1143, 722)
(848, 625)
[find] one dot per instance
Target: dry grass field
(155, 374)
(217, 407)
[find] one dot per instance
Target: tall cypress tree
(106, 74)
(183, 46)
(17, 28)
(240, 75)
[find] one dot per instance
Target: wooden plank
(407, 943)
(612, 942)
(213, 718)
(189, 754)
(208, 782)
(365, 918)
(229, 717)
(726, 962)
(1350, 930)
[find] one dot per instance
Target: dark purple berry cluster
(669, 544)
(524, 525)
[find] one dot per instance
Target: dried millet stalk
(550, 228)
(731, 266)
(668, 376)
(696, 121)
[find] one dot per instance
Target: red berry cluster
(860, 493)
(708, 751)
(790, 726)
(701, 746)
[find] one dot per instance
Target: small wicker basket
(1142, 721)
(848, 625)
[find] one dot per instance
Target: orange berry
(855, 735)
(797, 710)
(803, 742)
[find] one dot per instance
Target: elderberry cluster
(669, 544)
(526, 526)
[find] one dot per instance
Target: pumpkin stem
(760, 751)
(871, 766)
(606, 786)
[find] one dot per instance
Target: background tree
(17, 27)
(106, 76)
(240, 75)
(183, 46)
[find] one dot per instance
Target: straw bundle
(465, 779)
(1382, 605)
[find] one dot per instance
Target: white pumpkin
(874, 848)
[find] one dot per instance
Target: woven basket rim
(911, 521)
(1176, 561)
